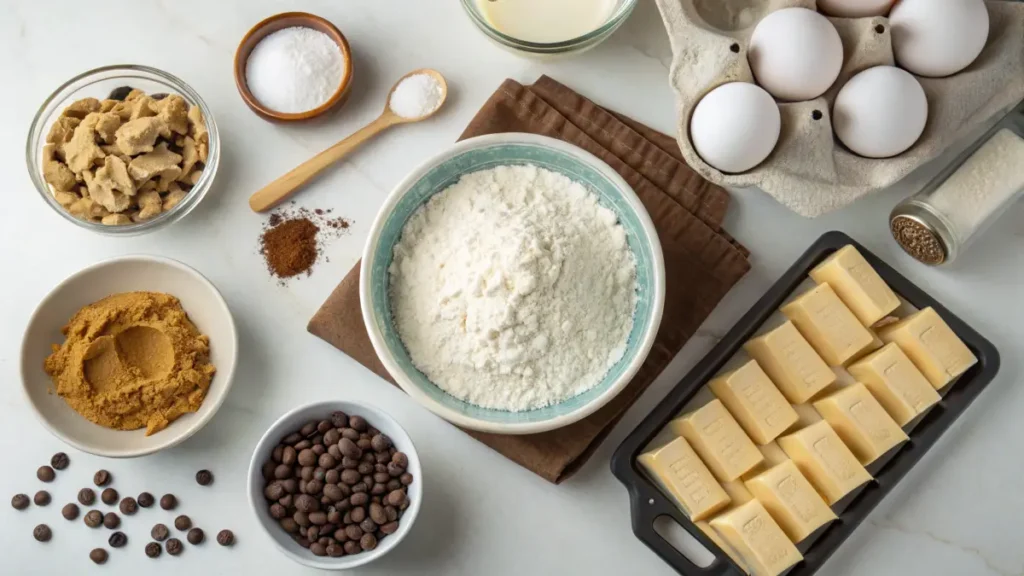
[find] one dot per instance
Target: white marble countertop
(958, 513)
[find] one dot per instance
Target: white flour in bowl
(513, 289)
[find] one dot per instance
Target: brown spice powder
(290, 246)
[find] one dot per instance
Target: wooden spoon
(281, 189)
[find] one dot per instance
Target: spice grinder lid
(914, 232)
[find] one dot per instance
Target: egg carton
(809, 171)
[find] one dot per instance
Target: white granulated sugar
(415, 96)
(294, 69)
(513, 289)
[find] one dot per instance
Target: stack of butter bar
(784, 438)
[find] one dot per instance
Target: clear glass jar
(939, 223)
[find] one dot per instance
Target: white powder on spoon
(294, 69)
(513, 289)
(416, 96)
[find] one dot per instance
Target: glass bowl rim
(33, 146)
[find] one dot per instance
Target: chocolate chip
(153, 550)
(117, 540)
(350, 433)
(42, 533)
(380, 443)
(339, 419)
(86, 496)
(42, 498)
(98, 555)
(69, 511)
(401, 460)
(389, 528)
(182, 523)
(288, 456)
(204, 477)
(60, 461)
(368, 542)
(358, 423)
(101, 478)
(174, 546)
(359, 499)
(159, 532)
(352, 547)
(93, 518)
(196, 536)
(146, 500)
(20, 501)
(225, 538)
(405, 479)
(168, 502)
(308, 430)
(158, 96)
(396, 498)
(129, 506)
(318, 549)
(111, 520)
(45, 474)
(109, 496)
(119, 93)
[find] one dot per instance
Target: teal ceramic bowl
(444, 170)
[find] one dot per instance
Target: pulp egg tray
(809, 171)
(648, 503)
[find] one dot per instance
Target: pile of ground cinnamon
(290, 247)
(292, 239)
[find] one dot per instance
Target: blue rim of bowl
(613, 22)
(179, 211)
(265, 445)
(184, 436)
(419, 186)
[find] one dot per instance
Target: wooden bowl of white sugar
(270, 79)
(512, 284)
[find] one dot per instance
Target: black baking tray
(647, 502)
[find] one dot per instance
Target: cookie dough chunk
(160, 163)
(82, 151)
(138, 136)
(81, 108)
(105, 124)
(56, 173)
(61, 132)
(173, 111)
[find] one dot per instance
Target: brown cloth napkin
(701, 261)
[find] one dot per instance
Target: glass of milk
(548, 27)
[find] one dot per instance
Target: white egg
(855, 8)
(938, 37)
(795, 54)
(735, 127)
(880, 112)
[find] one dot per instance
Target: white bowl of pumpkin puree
(129, 356)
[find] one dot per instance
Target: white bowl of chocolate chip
(123, 150)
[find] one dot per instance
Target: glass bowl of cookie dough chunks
(123, 150)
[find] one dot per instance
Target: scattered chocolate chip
(226, 538)
(86, 496)
(204, 477)
(109, 496)
(153, 549)
(98, 555)
(60, 461)
(20, 501)
(129, 506)
(159, 532)
(69, 511)
(168, 502)
(174, 546)
(182, 523)
(93, 518)
(158, 96)
(101, 478)
(196, 536)
(111, 520)
(45, 474)
(145, 500)
(42, 498)
(117, 540)
(42, 533)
